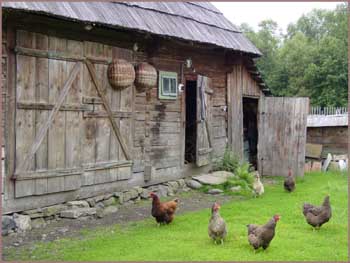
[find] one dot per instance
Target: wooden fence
(328, 110)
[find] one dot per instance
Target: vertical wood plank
(73, 119)
(42, 95)
(56, 134)
(25, 89)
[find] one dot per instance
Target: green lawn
(186, 239)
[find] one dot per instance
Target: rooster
(289, 182)
(163, 212)
(217, 226)
(261, 236)
(316, 216)
(258, 187)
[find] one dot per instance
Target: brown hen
(163, 212)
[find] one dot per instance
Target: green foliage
(243, 178)
(186, 238)
(310, 60)
(229, 162)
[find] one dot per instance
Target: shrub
(229, 162)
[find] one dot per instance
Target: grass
(186, 239)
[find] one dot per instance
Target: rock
(78, 212)
(8, 225)
(38, 223)
(215, 191)
(215, 178)
(193, 184)
(16, 244)
(99, 198)
(91, 202)
(181, 183)
(186, 189)
(37, 215)
(100, 205)
(23, 222)
(173, 184)
(162, 190)
(111, 201)
(236, 188)
(77, 204)
(138, 189)
(107, 196)
(52, 210)
(343, 165)
(63, 230)
(108, 210)
(33, 211)
(145, 194)
(129, 195)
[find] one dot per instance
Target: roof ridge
(186, 17)
(194, 3)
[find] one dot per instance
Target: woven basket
(146, 76)
(121, 74)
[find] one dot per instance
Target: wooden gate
(204, 141)
(68, 117)
(282, 135)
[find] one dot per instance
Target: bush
(229, 162)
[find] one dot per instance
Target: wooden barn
(80, 121)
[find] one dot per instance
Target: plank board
(282, 135)
(235, 111)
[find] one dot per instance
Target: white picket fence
(328, 110)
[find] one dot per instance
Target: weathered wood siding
(282, 135)
(333, 139)
(79, 155)
(239, 84)
(79, 139)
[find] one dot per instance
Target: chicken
(258, 187)
(261, 236)
(217, 226)
(163, 212)
(316, 216)
(289, 182)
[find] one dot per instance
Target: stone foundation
(98, 207)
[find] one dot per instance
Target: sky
(281, 12)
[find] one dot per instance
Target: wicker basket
(121, 74)
(146, 76)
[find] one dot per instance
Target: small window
(167, 85)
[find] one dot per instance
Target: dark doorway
(191, 121)
(250, 130)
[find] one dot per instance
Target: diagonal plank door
(282, 135)
(203, 145)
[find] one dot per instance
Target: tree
(310, 60)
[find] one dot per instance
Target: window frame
(169, 75)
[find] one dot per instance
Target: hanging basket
(146, 76)
(121, 74)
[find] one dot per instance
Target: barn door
(204, 146)
(282, 135)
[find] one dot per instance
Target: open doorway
(191, 121)
(250, 130)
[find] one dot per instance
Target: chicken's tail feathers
(176, 200)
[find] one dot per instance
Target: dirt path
(190, 201)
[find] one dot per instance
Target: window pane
(166, 86)
(173, 86)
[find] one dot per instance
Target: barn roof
(194, 21)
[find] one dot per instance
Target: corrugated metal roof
(194, 21)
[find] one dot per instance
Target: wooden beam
(108, 109)
(50, 106)
(43, 130)
(58, 55)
